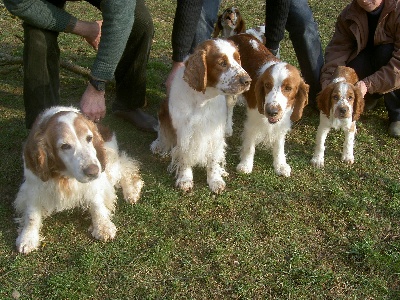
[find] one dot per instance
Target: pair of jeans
(304, 34)
(41, 57)
(367, 62)
(208, 18)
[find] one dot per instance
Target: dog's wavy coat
(340, 104)
(69, 162)
(276, 98)
(192, 120)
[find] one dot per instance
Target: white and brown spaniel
(276, 98)
(192, 120)
(229, 23)
(71, 162)
(340, 104)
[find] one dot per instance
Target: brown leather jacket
(350, 37)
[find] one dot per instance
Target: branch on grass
(7, 60)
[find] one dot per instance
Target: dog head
(281, 88)
(230, 22)
(216, 63)
(63, 143)
(341, 98)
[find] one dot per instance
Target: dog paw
(283, 170)
(217, 186)
(317, 162)
(348, 159)
(244, 168)
(26, 244)
(132, 192)
(104, 231)
(185, 185)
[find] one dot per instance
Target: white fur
(39, 199)
(199, 120)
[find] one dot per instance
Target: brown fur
(240, 23)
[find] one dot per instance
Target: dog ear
(259, 92)
(300, 102)
(217, 27)
(324, 99)
(358, 104)
(100, 131)
(195, 73)
(241, 24)
(37, 155)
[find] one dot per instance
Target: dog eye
(66, 146)
(268, 86)
(350, 97)
(89, 138)
(288, 88)
(336, 97)
(223, 63)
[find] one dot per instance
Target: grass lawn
(331, 233)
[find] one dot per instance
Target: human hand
(93, 104)
(363, 87)
(90, 31)
(175, 67)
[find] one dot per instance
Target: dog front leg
(278, 152)
(184, 179)
(322, 132)
(348, 145)
(214, 176)
(102, 227)
(30, 223)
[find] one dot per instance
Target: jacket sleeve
(338, 51)
(187, 16)
(41, 14)
(118, 17)
(276, 14)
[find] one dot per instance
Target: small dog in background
(229, 23)
(69, 162)
(340, 104)
(192, 119)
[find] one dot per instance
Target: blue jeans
(304, 34)
(205, 27)
(367, 62)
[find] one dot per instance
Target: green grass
(319, 234)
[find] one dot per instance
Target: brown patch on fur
(166, 122)
(195, 73)
(253, 55)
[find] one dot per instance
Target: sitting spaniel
(276, 98)
(340, 104)
(70, 162)
(192, 120)
(229, 23)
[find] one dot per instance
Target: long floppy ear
(241, 25)
(324, 99)
(358, 104)
(300, 102)
(195, 73)
(259, 92)
(37, 155)
(217, 27)
(98, 143)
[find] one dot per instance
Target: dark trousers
(42, 67)
(368, 62)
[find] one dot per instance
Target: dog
(69, 162)
(192, 119)
(229, 23)
(340, 103)
(276, 98)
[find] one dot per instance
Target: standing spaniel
(70, 162)
(192, 120)
(340, 104)
(276, 98)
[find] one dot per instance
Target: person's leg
(131, 72)
(304, 34)
(41, 57)
(205, 27)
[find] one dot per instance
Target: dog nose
(272, 111)
(245, 80)
(91, 171)
(343, 110)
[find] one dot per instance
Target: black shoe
(139, 119)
